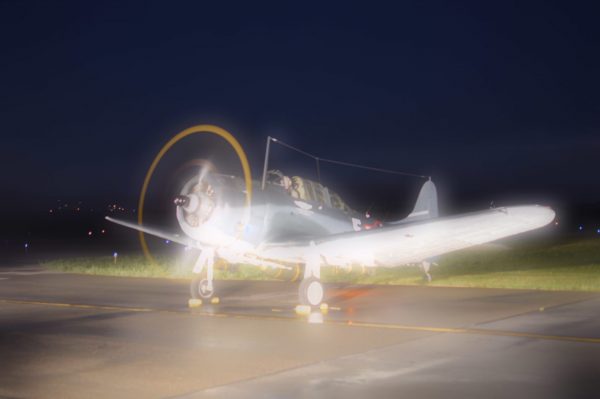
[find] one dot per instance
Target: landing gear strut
(425, 267)
(202, 287)
(311, 292)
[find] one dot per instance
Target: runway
(65, 335)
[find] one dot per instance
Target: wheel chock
(215, 300)
(194, 303)
(302, 309)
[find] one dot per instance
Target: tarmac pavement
(66, 335)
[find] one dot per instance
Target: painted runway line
(348, 323)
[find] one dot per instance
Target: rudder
(426, 206)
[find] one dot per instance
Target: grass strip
(570, 266)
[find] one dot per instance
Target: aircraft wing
(157, 233)
(397, 245)
(233, 256)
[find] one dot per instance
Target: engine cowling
(211, 208)
(197, 204)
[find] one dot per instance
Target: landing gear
(202, 287)
(425, 267)
(311, 292)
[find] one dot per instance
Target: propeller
(197, 199)
(196, 202)
(204, 168)
(204, 237)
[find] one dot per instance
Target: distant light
(115, 254)
(103, 231)
(26, 245)
(598, 231)
(580, 227)
(90, 233)
(51, 210)
(556, 223)
(167, 241)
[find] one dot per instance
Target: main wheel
(199, 288)
(310, 292)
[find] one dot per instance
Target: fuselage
(275, 215)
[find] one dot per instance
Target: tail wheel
(199, 288)
(311, 292)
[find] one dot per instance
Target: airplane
(293, 220)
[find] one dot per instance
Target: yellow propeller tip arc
(210, 129)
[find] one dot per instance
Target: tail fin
(426, 206)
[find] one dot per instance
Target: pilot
(286, 182)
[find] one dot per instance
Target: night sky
(496, 101)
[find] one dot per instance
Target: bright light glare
(315, 318)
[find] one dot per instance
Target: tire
(198, 288)
(311, 292)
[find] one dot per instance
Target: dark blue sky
(497, 101)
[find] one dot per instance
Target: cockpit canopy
(308, 190)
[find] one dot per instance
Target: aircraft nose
(190, 203)
(181, 200)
